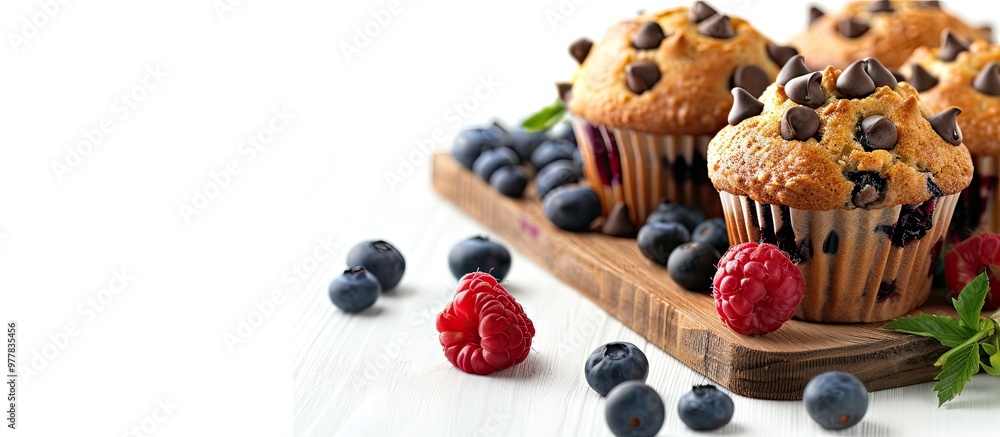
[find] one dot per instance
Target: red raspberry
(757, 288)
(483, 329)
(980, 253)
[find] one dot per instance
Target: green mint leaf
(545, 118)
(989, 349)
(991, 364)
(970, 301)
(947, 330)
(958, 368)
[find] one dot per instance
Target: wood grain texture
(612, 273)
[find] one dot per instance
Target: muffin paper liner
(856, 265)
(642, 169)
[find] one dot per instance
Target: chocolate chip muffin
(849, 174)
(886, 30)
(649, 96)
(967, 75)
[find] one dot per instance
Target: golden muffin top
(838, 140)
(670, 72)
(887, 30)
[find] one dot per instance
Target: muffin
(850, 175)
(650, 95)
(967, 76)
(886, 30)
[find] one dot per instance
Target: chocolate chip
(951, 46)
(880, 6)
(700, 11)
(988, 79)
(564, 89)
(945, 124)
(806, 90)
(877, 132)
(751, 78)
(744, 106)
(580, 49)
(920, 78)
(799, 123)
(650, 36)
(831, 243)
(815, 13)
(641, 76)
(880, 75)
(794, 67)
(854, 82)
(618, 223)
(852, 28)
(717, 26)
(869, 188)
(780, 54)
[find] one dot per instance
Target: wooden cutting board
(612, 273)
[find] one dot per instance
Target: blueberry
(479, 254)
(510, 180)
(634, 409)
(564, 132)
(692, 266)
(470, 143)
(572, 208)
(689, 216)
(381, 259)
(491, 160)
(658, 239)
(555, 175)
(712, 232)
(525, 143)
(354, 291)
(705, 408)
(551, 151)
(578, 161)
(836, 400)
(613, 364)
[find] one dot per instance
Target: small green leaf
(947, 330)
(989, 349)
(545, 118)
(957, 370)
(970, 301)
(994, 371)
(990, 364)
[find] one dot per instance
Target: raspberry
(980, 253)
(757, 288)
(483, 329)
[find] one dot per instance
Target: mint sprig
(545, 118)
(965, 335)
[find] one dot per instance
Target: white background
(321, 181)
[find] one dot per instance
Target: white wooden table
(383, 372)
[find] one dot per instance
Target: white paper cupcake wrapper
(649, 170)
(844, 284)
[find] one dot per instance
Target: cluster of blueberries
(375, 266)
(689, 245)
(507, 158)
(618, 371)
